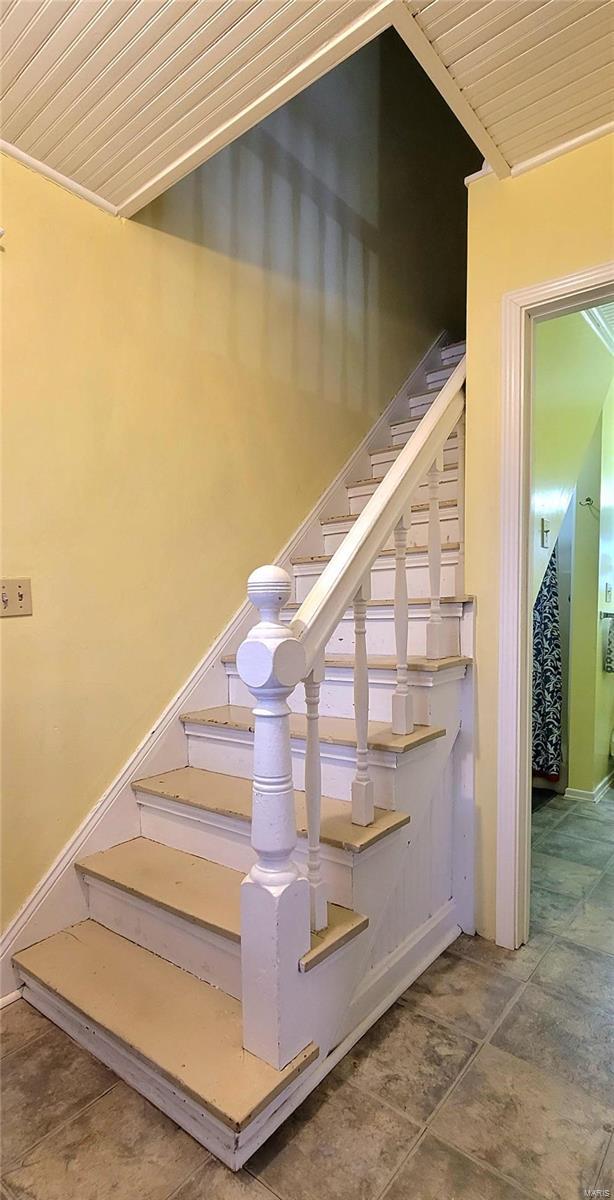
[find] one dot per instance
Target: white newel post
(459, 580)
(402, 706)
(362, 784)
(313, 797)
(434, 625)
(275, 925)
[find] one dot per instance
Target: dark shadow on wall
(340, 221)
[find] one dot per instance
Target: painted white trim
(593, 317)
(548, 298)
(10, 998)
(597, 793)
(546, 156)
(414, 37)
(70, 185)
(58, 899)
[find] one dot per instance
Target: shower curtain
(547, 676)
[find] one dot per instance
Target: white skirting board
(59, 899)
(410, 960)
(596, 795)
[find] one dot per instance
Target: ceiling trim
(563, 148)
(70, 185)
(366, 27)
(414, 37)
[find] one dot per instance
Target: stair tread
(382, 554)
(188, 1030)
(231, 796)
(387, 662)
(202, 891)
(387, 449)
(339, 731)
(414, 508)
(370, 479)
(422, 601)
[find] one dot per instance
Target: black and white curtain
(547, 676)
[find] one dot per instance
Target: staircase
(313, 856)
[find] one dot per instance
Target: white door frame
(520, 309)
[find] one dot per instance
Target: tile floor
(491, 1079)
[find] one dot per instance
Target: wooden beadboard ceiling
(119, 99)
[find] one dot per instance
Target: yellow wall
(572, 371)
(179, 389)
(547, 223)
(604, 696)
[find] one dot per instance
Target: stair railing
(280, 905)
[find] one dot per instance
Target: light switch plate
(16, 598)
(545, 534)
(608, 593)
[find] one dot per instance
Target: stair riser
(227, 841)
(436, 379)
(400, 435)
(337, 693)
(380, 463)
(230, 751)
(448, 489)
(382, 577)
(200, 951)
(451, 357)
(333, 535)
(381, 635)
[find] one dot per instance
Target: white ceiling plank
(501, 86)
(151, 86)
(233, 94)
(132, 43)
(561, 100)
(564, 147)
(348, 41)
(495, 18)
(45, 17)
(438, 21)
(595, 112)
(428, 58)
(70, 43)
(536, 27)
(14, 18)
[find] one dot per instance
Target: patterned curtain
(547, 676)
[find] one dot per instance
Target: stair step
(422, 601)
(324, 558)
(386, 662)
(231, 796)
(454, 350)
(185, 1029)
(338, 731)
(415, 508)
(436, 379)
(202, 892)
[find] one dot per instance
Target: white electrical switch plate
(16, 598)
(545, 534)
(608, 593)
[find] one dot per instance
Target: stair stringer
(59, 899)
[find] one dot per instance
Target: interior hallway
(491, 1079)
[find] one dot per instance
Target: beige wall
(180, 388)
(547, 223)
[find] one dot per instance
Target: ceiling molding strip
(407, 28)
(70, 185)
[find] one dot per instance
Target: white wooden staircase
(314, 855)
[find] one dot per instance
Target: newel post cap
(269, 588)
(270, 657)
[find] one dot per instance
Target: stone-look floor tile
(408, 1060)
(216, 1182)
(563, 1037)
(550, 911)
(539, 1130)
(43, 1084)
(578, 973)
(557, 803)
(593, 922)
(120, 1148)
(604, 811)
(605, 888)
(462, 993)
(560, 875)
(340, 1144)
(586, 827)
(20, 1024)
(518, 963)
(438, 1172)
(575, 849)
(546, 818)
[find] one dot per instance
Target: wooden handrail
(335, 589)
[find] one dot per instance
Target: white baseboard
(59, 899)
(10, 998)
(597, 793)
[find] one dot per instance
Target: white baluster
(313, 798)
(434, 625)
(362, 784)
(275, 924)
(402, 705)
(459, 576)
